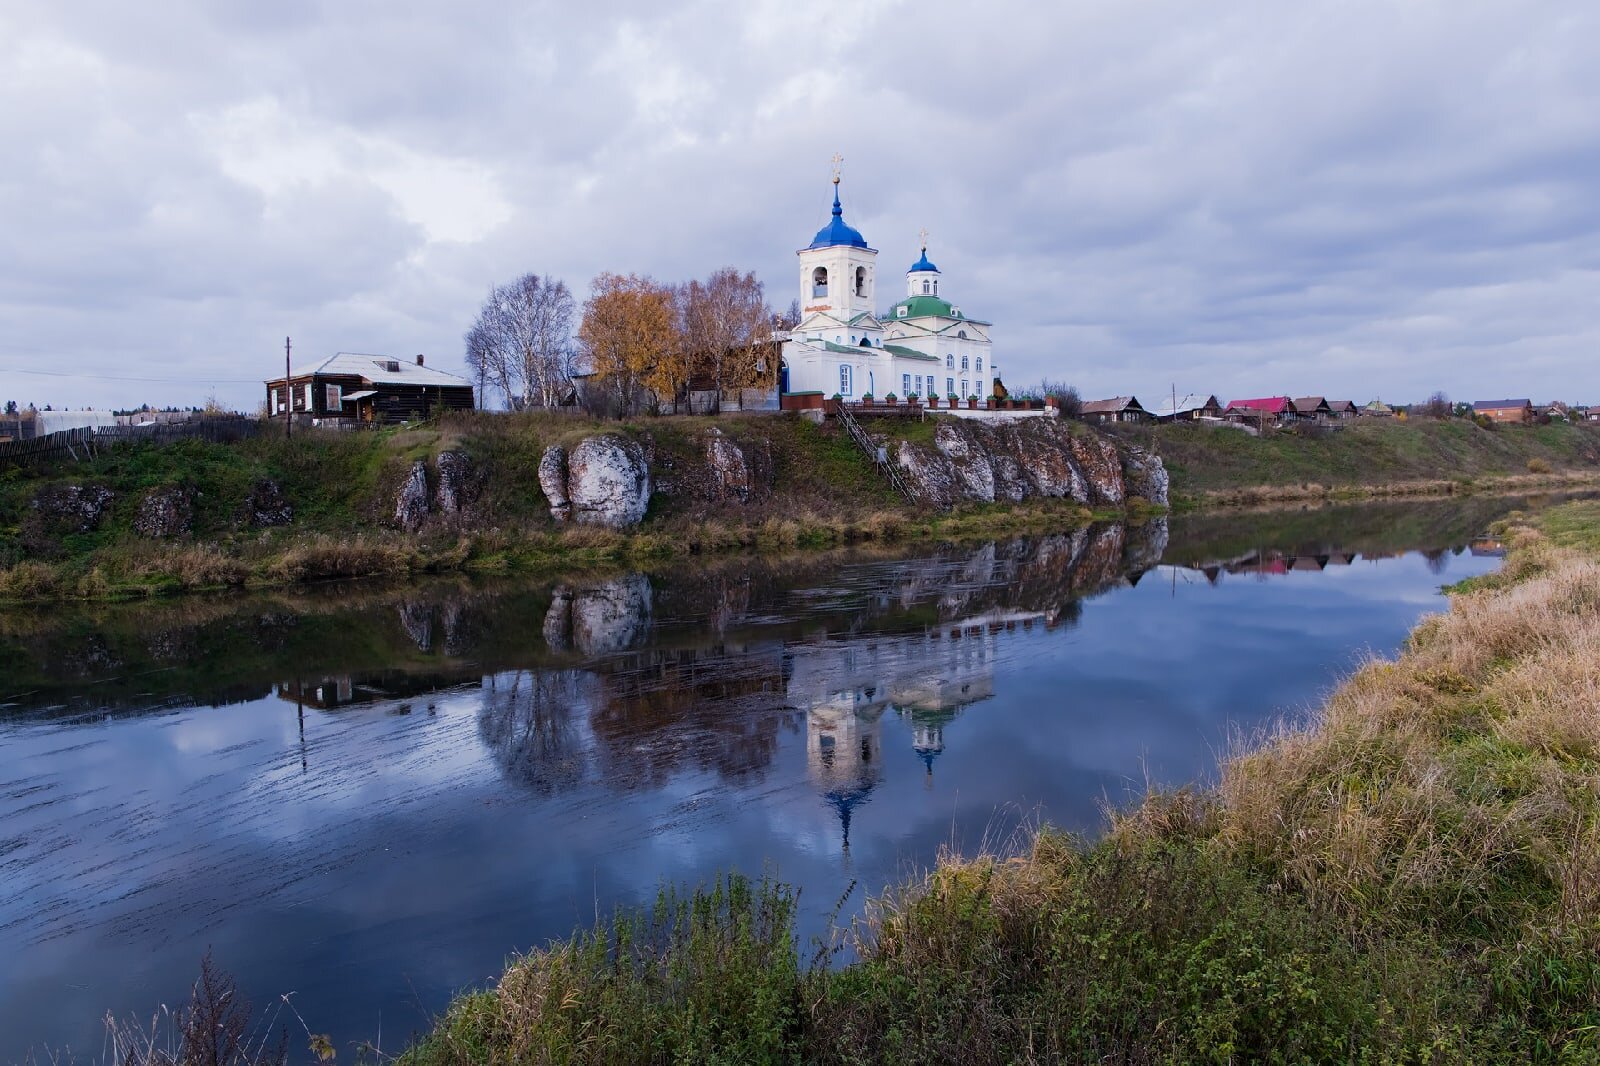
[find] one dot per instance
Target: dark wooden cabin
(352, 387)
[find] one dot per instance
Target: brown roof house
(1307, 408)
(1116, 409)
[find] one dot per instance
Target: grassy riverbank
(818, 491)
(1370, 457)
(1414, 875)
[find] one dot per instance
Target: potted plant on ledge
(972, 403)
(891, 399)
(866, 399)
(955, 401)
(912, 398)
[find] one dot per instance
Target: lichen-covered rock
(971, 473)
(730, 470)
(608, 481)
(266, 506)
(411, 504)
(455, 482)
(1145, 476)
(1101, 466)
(553, 482)
(73, 508)
(164, 513)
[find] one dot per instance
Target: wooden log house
(353, 387)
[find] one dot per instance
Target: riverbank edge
(1411, 874)
(1271, 496)
(156, 570)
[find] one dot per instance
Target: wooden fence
(84, 443)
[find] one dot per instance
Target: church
(923, 345)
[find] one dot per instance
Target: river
(366, 796)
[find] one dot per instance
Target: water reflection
(303, 777)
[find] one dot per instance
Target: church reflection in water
(847, 689)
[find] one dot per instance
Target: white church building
(923, 344)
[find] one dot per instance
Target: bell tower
(837, 269)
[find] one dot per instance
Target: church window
(961, 333)
(905, 384)
(866, 342)
(950, 362)
(977, 364)
(819, 281)
(861, 281)
(950, 386)
(924, 286)
(963, 362)
(936, 286)
(964, 390)
(845, 388)
(900, 312)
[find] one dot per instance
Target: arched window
(961, 333)
(925, 286)
(866, 342)
(936, 286)
(963, 362)
(819, 281)
(950, 362)
(861, 281)
(977, 364)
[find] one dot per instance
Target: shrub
(1537, 465)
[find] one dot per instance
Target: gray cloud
(1351, 198)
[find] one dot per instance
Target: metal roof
(1492, 405)
(1111, 406)
(375, 369)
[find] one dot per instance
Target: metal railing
(875, 452)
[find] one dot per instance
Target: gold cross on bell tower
(838, 161)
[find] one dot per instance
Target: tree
(11, 407)
(1438, 406)
(521, 343)
(726, 329)
(630, 331)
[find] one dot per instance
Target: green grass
(1366, 454)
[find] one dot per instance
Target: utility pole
(288, 395)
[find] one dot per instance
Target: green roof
(848, 349)
(909, 353)
(926, 307)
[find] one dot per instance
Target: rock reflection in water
(599, 618)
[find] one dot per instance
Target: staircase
(879, 459)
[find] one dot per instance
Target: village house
(1377, 409)
(1342, 410)
(1191, 408)
(1312, 409)
(1504, 410)
(1260, 411)
(1116, 409)
(354, 388)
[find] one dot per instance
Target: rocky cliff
(1035, 457)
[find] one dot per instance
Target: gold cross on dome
(922, 235)
(837, 161)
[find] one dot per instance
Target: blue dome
(923, 264)
(836, 231)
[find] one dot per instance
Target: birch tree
(727, 329)
(522, 341)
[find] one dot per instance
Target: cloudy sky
(1331, 196)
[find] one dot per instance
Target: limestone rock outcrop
(267, 506)
(455, 482)
(730, 470)
(1018, 460)
(73, 508)
(164, 513)
(553, 482)
(411, 504)
(603, 481)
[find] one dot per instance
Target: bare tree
(1438, 406)
(726, 328)
(521, 343)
